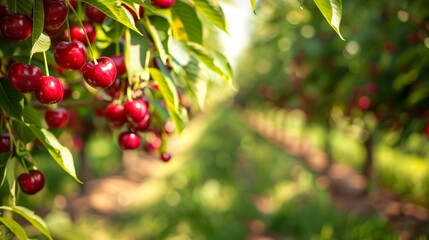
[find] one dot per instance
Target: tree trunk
(367, 170)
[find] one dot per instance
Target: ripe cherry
(120, 63)
(100, 75)
(31, 182)
(5, 143)
(136, 109)
(115, 115)
(50, 90)
(16, 26)
(364, 102)
(114, 90)
(142, 125)
(56, 12)
(54, 31)
(129, 140)
(77, 33)
(23, 77)
(70, 55)
(153, 144)
(4, 10)
(427, 130)
(163, 3)
(57, 118)
(94, 14)
(165, 156)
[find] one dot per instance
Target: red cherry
(94, 14)
(120, 63)
(56, 12)
(16, 26)
(5, 143)
(54, 31)
(163, 3)
(4, 10)
(364, 102)
(141, 12)
(129, 140)
(142, 125)
(100, 75)
(23, 77)
(154, 143)
(115, 115)
(70, 55)
(50, 90)
(73, 3)
(77, 33)
(57, 118)
(136, 109)
(114, 90)
(32, 182)
(427, 130)
(165, 156)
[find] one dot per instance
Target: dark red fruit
(56, 12)
(153, 144)
(73, 3)
(136, 110)
(427, 130)
(16, 26)
(4, 10)
(5, 143)
(141, 12)
(23, 77)
(50, 90)
(165, 156)
(163, 3)
(77, 33)
(100, 75)
(141, 125)
(31, 182)
(54, 31)
(114, 90)
(115, 115)
(364, 102)
(94, 14)
(57, 118)
(70, 55)
(129, 140)
(120, 63)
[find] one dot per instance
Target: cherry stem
(46, 64)
(68, 28)
(84, 31)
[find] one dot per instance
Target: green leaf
(332, 11)
(252, 2)
(23, 131)
(169, 93)
(42, 44)
(136, 47)
(179, 51)
(14, 227)
(115, 11)
(32, 116)
(214, 61)
(187, 16)
(4, 158)
(11, 101)
(61, 154)
(38, 21)
(213, 12)
(31, 217)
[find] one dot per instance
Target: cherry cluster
(126, 108)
